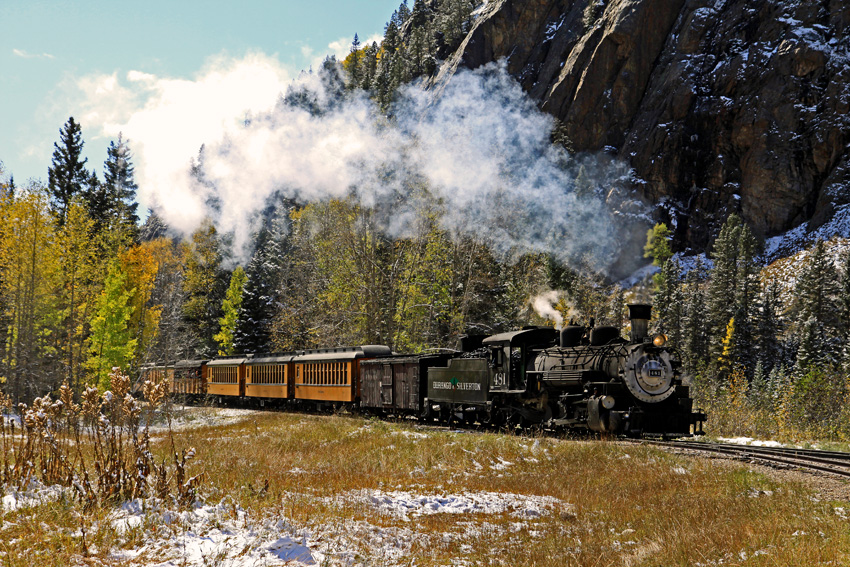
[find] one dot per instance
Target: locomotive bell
(639, 316)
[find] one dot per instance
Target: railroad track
(830, 462)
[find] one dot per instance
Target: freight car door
(387, 386)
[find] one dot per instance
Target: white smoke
(544, 306)
(482, 148)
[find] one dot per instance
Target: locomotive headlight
(608, 402)
(660, 340)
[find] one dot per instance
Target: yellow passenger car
(268, 377)
(226, 376)
(332, 375)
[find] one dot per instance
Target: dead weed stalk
(98, 448)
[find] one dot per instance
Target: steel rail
(832, 462)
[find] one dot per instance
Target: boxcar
(397, 385)
(269, 376)
(332, 375)
(226, 376)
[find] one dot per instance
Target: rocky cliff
(718, 105)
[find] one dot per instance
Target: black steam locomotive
(588, 378)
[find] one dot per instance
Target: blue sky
(109, 63)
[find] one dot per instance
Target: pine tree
(617, 307)
(731, 292)
(815, 307)
(815, 288)
(454, 20)
(844, 295)
(402, 14)
(230, 311)
(153, 228)
(809, 352)
(355, 76)
(760, 388)
(369, 66)
(745, 300)
(723, 282)
(695, 318)
(98, 204)
(333, 83)
(668, 301)
(768, 328)
(120, 186)
(392, 37)
(778, 384)
(252, 331)
(421, 52)
(381, 84)
(67, 175)
(265, 283)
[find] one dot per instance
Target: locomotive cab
(509, 355)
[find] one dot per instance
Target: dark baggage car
(397, 385)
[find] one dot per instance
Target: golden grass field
(357, 492)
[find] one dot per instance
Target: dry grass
(681, 511)
(617, 504)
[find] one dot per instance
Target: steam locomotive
(581, 378)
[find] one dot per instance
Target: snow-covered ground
(221, 534)
(35, 494)
(799, 238)
(191, 417)
(226, 534)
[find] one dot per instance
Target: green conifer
(67, 175)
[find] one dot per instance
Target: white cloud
(341, 47)
(25, 55)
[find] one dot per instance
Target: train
(579, 378)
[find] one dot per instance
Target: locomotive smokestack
(639, 315)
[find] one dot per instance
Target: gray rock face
(718, 105)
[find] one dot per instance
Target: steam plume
(481, 147)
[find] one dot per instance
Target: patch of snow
(553, 28)
(35, 494)
(203, 533)
(412, 434)
(224, 534)
(799, 238)
(501, 465)
(193, 417)
(480, 9)
(688, 263)
(639, 275)
(407, 505)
